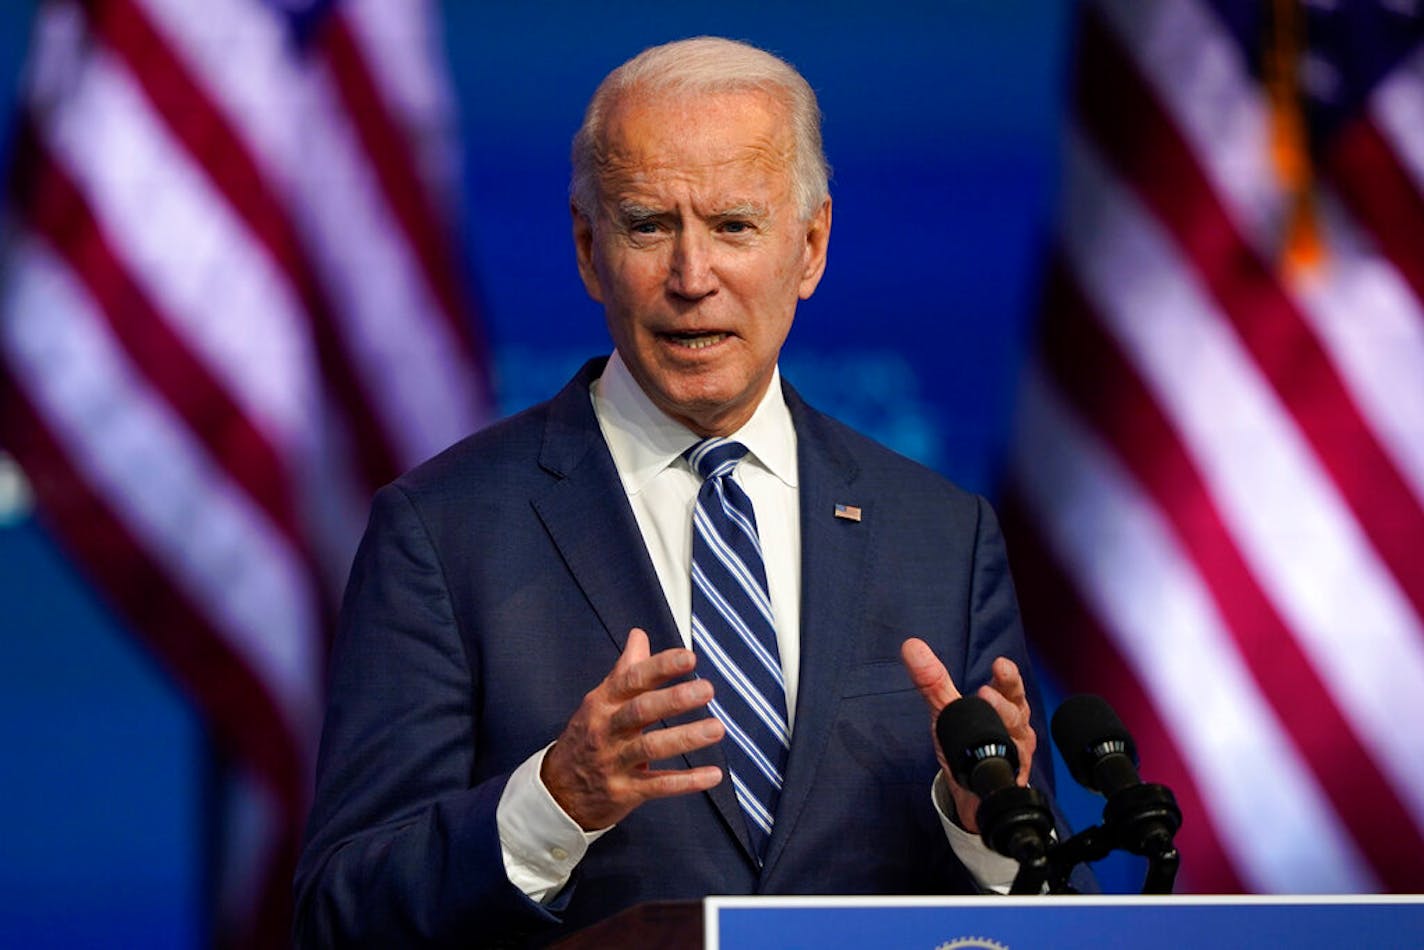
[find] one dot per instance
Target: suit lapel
(833, 561)
(587, 515)
(588, 518)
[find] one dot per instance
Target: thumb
(928, 674)
(635, 650)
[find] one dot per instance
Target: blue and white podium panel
(1048, 923)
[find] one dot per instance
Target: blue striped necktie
(734, 636)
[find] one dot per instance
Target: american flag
(1218, 483)
(230, 310)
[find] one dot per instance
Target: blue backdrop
(942, 123)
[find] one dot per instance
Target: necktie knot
(715, 457)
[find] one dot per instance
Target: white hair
(707, 64)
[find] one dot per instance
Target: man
(518, 741)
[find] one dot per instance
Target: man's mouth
(695, 341)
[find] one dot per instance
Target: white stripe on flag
(315, 159)
(389, 313)
(177, 504)
(239, 52)
(1270, 813)
(1373, 328)
(1397, 108)
(1343, 606)
(187, 250)
(1356, 302)
(398, 42)
(1197, 73)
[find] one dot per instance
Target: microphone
(1100, 753)
(1142, 818)
(1013, 820)
(977, 747)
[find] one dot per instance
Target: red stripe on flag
(1104, 389)
(1138, 139)
(197, 123)
(1368, 175)
(1074, 646)
(245, 720)
(60, 214)
(384, 144)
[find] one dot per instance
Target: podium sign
(1032, 923)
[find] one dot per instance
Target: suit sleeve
(996, 629)
(401, 849)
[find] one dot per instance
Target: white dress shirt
(541, 844)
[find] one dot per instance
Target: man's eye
(736, 227)
(644, 227)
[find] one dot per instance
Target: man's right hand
(598, 769)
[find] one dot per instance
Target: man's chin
(709, 411)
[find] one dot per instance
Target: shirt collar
(644, 440)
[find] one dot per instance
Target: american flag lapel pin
(848, 512)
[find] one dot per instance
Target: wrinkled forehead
(669, 133)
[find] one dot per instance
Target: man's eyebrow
(633, 211)
(747, 209)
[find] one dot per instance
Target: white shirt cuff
(541, 844)
(991, 870)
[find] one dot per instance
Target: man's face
(697, 251)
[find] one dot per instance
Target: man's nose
(691, 274)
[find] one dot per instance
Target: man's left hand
(1005, 692)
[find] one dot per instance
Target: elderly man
(672, 633)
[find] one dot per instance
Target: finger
(1017, 720)
(656, 783)
(647, 708)
(635, 650)
(658, 744)
(636, 672)
(928, 674)
(1008, 681)
(1014, 715)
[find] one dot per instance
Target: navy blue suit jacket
(497, 583)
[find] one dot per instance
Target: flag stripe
(1079, 355)
(1355, 303)
(1303, 546)
(1222, 443)
(385, 310)
(1373, 327)
(1277, 826)
(225, 158)
(1397, 109)
(232, 700)
(212, 674)
(59, 212)
(1370, 177)
(224, 325)
(396, 174)
(1120, 114)
(1075, 646)
(215, 342)
(187, 514)
(388, 314)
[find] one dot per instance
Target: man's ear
(583, 247)
(818, 237)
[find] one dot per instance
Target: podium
(1014, 923)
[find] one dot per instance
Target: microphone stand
(1140, 820)
(1017, 822)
